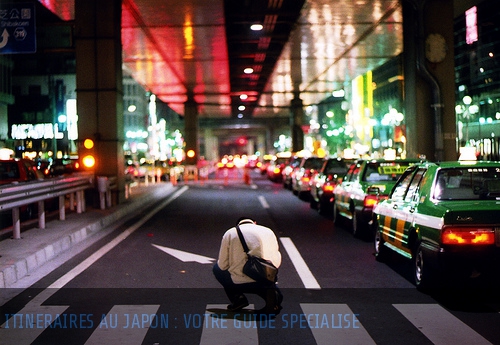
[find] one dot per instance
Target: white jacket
(260, 240)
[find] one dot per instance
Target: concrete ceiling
(177, 48)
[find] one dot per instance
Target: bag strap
(242, 239)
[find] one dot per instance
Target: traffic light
(190, 154)
(88, 159)
(190, 157)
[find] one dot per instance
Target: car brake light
(468, 236)
(328, 187)
(370, 201)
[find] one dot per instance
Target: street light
(467, 111)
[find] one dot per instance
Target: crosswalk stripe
(28, 323)
(218, 328)
(125, 324)
(299, 263)
(334, 322)
(439, 325)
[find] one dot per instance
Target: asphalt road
(150, 282)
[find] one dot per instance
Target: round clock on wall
(435, 48)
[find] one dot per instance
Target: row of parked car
(443, 216)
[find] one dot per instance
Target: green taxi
(445, 217)
(365, 184)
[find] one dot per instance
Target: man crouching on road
(228, 270)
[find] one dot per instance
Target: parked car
(324, 182)
(301, 179)
(445, 218)
(365, 184)
(264, 163)
(19, 170)
(275, 168)
(289, 171)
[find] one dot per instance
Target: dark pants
(268, 292)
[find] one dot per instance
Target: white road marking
(16, 335)
(241, 329)
(117, 240)
(439, 325)
(125, 325)
(263, 201)
(27, 324)
(334, 323)
(185, 256)
(301, 267)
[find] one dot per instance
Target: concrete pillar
(297, 112)
(191, 130)
(99, 84)
(270, 140)
(261, 144)
(250, 147)
(211, 145)
(429, 86)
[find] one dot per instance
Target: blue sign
(17, 28)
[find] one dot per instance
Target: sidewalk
(37, 247)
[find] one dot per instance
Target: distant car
(58, 167)
(289, 171)
(303, 175)
(324, 182)
(264, 163)
(445, 217)
(225, 163)
(275, 168)
(19, 170)
(366, 183)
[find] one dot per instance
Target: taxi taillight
(371, 200)
(465, 235)
(327, 187)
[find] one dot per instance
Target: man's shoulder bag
(259, 269)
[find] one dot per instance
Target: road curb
(14, 270)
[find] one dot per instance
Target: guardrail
(14, 196)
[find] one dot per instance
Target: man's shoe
(242, 303)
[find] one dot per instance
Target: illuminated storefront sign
(36, 131)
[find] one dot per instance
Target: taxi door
(405, 207)
(344, 189)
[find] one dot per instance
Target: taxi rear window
(467, 184)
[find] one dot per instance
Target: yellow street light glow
(190, 153)
(88, 143)
(88, 161)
